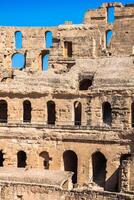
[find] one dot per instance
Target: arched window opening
(110, 15)
(48, 39)
(132, 114)
(71, 163)
(99, 168)
(18, 40)
(77, 113)
(3, 111)
(45, 62)
(45, 159)
(51, 113)
(85, 84)
(109, 35)
(18, 61)
(107, 113)
(21, 159)
(68, 49)
(1, 159)
(27, 111)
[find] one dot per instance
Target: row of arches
(27, 110)
(70, 163)
(22, 159)
(19, 61)
(51, 112)
(47, 42)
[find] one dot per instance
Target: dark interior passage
(1, 159)
(70, 163)
(99, 168)
(21, 159)
(51, 113)
(3, 111)
(27, 111)
(85, 84)
(107, 113)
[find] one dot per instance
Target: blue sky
(46, 12)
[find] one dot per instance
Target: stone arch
(70, 160)
(77, 113)
(99, 162)
(110, 14)
(45, 61)
(45, 159)
(3, 111)
(18, 61)
(21, 159)
(51, 112)
(18, 39)
(107, 113)
(109, 35)
(48, 39)
(27, 111)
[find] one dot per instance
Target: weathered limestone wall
(33, 45)
(112, 81)
(34, 141)
(123, 38)
(32, 192)
(88, 39)
(123, 27)
(91, 108)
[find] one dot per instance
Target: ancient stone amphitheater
(67, 110)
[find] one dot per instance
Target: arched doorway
(99, 168)
(70, 163)
(45, 61)
(48, 39)
(18, 40)
(21, 159)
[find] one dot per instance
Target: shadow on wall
(99, 166)
(112, 184)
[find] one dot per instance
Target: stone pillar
(124, 176)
